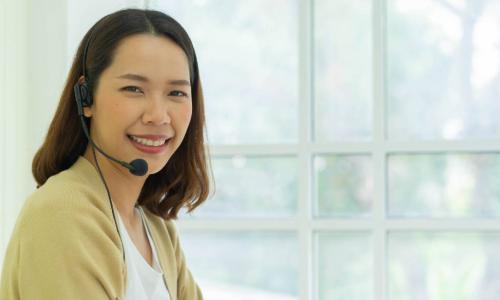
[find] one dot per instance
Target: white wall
(14, 178)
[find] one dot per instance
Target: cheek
(118, 106)
(115, 115)
(184, 114)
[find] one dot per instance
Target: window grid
(379, 148)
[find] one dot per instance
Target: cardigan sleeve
(62, 249)
(187, 288)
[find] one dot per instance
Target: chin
(155, 168)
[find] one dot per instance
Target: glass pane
(244, 265)
(443, 69)
(252, 187)
(343, 185)
(343, 70)
(440, 185)
(248, 57)
(345, 266)
(441, 266)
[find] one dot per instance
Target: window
(356, 144)
(355, 148)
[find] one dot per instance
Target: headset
(83, 98)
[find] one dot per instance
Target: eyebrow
(145, 79)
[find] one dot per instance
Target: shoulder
(65, 193)
(66, 205)
(64, 227)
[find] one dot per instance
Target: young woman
(123, 154)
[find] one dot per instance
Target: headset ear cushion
(85, 95)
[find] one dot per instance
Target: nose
(156, 111)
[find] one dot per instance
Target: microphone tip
(140, 167)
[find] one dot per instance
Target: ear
(87, 112)
(81, 79)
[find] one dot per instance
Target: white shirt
(143, 281)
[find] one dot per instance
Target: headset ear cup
(82, 97)
(78, 98)
(85, 95)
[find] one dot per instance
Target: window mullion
(305, 111)
(379, 150)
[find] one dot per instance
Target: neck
(123, 186)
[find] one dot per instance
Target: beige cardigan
(65, 244)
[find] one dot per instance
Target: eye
(178, 94)
(132, 89)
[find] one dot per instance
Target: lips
(152, 149)
(153, 137)
(148, 142)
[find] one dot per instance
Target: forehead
(156, 57)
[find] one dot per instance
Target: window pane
(437, 266)
(345, 266)
(440, 185)
(343, 70)
(443, 69)
(248, 57)
(244, 265)
(343, 185)
(252, 187)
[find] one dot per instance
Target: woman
(98, 227)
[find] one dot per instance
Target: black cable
(107, 191)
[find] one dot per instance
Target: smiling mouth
(148, 142)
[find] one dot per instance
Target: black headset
(83, 95)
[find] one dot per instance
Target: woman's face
(144, 95)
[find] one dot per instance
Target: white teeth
(147, 142)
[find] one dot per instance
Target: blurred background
(355, 143)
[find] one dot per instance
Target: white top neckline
(143, 281)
